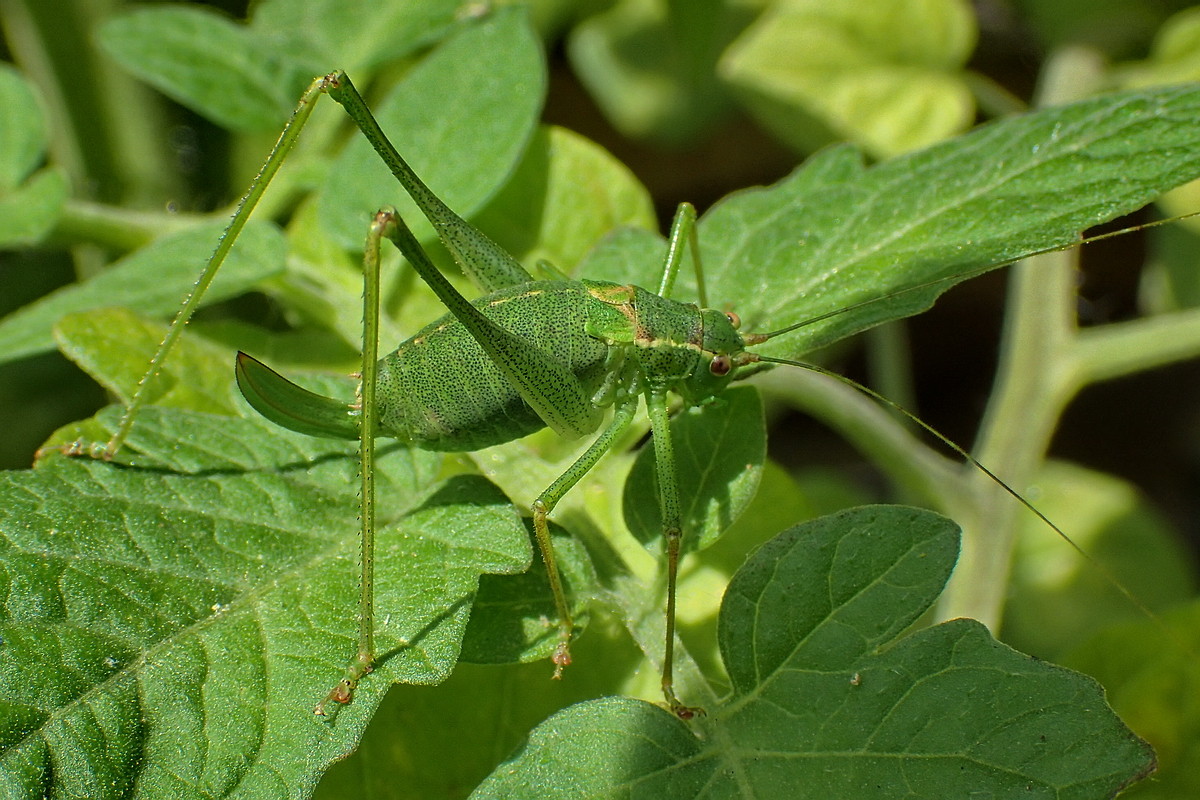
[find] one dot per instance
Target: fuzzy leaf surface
(465, 150)
(152, 280)
(837, 237)
(831, 699)
(169, 623)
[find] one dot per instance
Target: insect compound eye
(734, 319)
(720, 365)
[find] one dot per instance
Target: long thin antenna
(1104, 572)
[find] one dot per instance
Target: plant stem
(1035, 381)
(1037, 376)
(1045, 361)
(1120, 349)
(873, 430)
(122, 229)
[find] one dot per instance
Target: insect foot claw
(561, 659)
(343, 692)
(685, 713)
(76, 449)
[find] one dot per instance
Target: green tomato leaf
(882, 243)
(351, 35)
(566, 194)
(462, 118)
(886, 75)
(719, 453)
(831, 700)
(1118, 527)
(114, 345)
(1149, 668)
(22, 129)
(28, 212)
(151, 281)
(651, 65)
(429, 557)
(170, 624)
(215, 66)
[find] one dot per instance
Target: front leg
(668, 499)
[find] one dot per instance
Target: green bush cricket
(618, 342)
(605, 345)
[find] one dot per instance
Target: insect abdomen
(440, 391)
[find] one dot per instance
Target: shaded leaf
(828, 701)
(1150, 671)
(28, 212)
(566, 194)
(351, 35)
(410, 750)
(513, 618)
(30, 203)
(1117, 526)
(651, 65)
(719, 452)
(626, 255)
(1170, 281)
(210, 64)
(1174, 56)
(152, 280)
(22, 129)
(464, 150)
